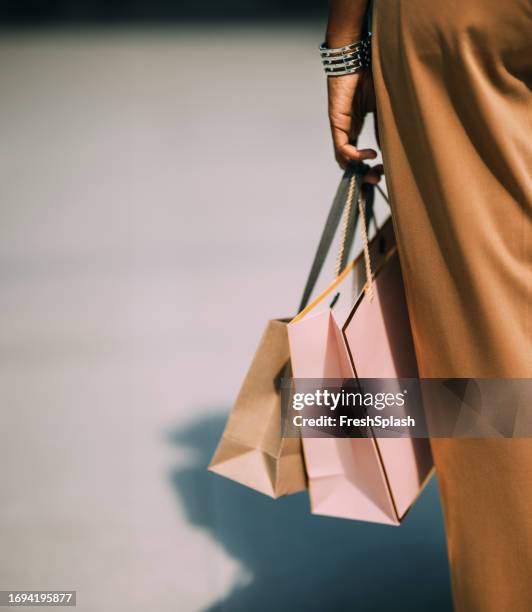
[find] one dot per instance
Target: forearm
(346, 22)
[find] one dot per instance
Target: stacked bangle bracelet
(346, 60)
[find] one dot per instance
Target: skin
(350, 97)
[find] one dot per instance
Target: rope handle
(347, 212)
(368, 287)
(345, 223)
(342, 205)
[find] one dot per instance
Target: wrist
(352, 58)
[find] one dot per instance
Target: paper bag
(251, 450)
(360, 478)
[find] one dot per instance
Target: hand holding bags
(361, 478)
(367, 479)
(252, 450)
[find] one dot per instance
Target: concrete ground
(157, 207)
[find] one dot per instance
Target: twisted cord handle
(368, 287)
(345, 223)
(352, 190)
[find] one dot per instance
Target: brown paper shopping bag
(252, 450)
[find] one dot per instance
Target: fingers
(344, 149)
(348, 106)
(345, 124)
(346, 153)
(374, 175)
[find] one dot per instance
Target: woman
(452, 87)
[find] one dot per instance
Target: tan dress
(453, 81)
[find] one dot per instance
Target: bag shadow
(295, 560)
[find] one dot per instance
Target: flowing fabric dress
(454, 107)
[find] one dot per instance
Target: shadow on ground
(302, 562)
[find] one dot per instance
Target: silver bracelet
(350, 59)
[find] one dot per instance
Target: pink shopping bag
(336, 336)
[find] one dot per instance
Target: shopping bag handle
(349, 221)
(368, 287)
(364, 197)
(348, 192)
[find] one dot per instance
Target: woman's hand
(351, 97)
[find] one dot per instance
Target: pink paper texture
(366, 479)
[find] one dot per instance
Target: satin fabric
(452, 81)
